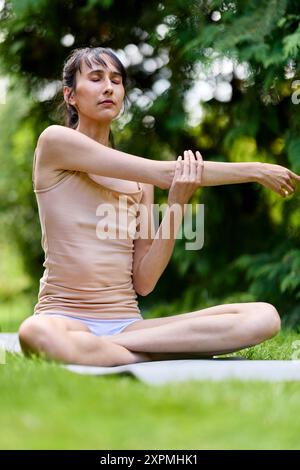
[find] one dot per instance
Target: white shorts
(101, 326)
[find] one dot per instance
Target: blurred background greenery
(216, 76)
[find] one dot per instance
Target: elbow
(143, 293)
(143, 290)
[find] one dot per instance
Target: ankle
(142, 357)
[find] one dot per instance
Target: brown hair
(73, 63)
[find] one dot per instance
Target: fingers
(290, 187)
(290, 184)
(199, 166)
(295, 176)
(283, 192)
(193, 165)
(287, 190)
(178, 167)
(186, 167)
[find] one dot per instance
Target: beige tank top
(88, 240)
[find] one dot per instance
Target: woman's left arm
(153, 254)
(275, 177)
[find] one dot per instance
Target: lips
(106, 101)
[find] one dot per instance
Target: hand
(278, 178)
(187, 177)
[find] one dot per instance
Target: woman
(87, 311)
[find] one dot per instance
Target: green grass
(44, 406)
(14, 311)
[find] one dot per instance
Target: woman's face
(93, 86)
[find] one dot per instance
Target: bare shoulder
(44, 173)
(51, 132)
(47, 137)
(54, 134)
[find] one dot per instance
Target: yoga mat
(162, 372)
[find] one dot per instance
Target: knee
(33, 336)
(267, 321)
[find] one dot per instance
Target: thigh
(58, 322)
(216, 310)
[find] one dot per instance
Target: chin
(104, 119)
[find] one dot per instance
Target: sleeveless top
(88, 239)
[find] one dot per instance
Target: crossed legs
(202, 333)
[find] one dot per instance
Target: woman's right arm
(63, 148)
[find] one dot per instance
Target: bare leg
(224, 329)
(69, 341)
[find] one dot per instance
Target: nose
(108, 86)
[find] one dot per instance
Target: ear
(69, 96)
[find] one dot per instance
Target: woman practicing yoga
(87, 312)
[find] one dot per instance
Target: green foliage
(275, 277)
(243, 223)
(292, 43)
(26, 7)
(19, 221)
(293, 151)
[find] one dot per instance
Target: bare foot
(137, 356)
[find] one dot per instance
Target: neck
(95, 130)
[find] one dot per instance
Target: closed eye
(97, 80)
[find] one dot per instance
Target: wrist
(177, 206)
(167, 171)
(258, 171)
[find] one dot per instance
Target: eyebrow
(101, 71)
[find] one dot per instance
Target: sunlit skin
(92, 86)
